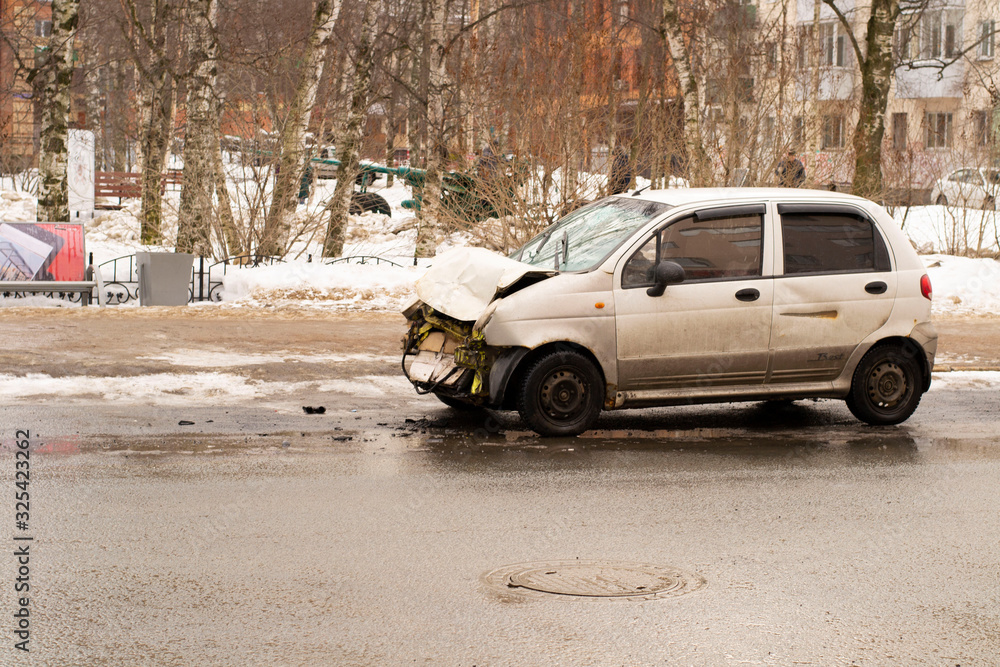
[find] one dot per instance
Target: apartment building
(941, 103)
(26, 27)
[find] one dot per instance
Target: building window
(981, 123)
(939, 130)
(798, 132)
(768, 136)
(771, 56)
(899, 131)
(833, 45)
(941, 34)
(833, 132)
(986, 34)
(804, 45)
(43, 28)
(904, 41)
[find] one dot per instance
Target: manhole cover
(596, 579)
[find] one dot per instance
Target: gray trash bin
(164, 278)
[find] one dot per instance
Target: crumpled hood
(463, 281)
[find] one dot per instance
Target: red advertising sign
(41, 251)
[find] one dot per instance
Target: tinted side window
(721, 248)
(831, 243)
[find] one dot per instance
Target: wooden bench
(127, 185)
(81, 287)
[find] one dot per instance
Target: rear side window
(830, 240)
(708, 247)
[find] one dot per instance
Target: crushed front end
(446, 356)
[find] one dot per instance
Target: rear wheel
(941, 200)
(990, 204)
(887, 386)
(562, 394)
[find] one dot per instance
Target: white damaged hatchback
(676, 297)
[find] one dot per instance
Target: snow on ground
(195, 388)
(203, 358)
(342, 286)
(154, 389)
(965, 380)
(950, 229)
(186, 388)
(17, 206)
(962, 285)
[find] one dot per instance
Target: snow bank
(964, 285)
(17, 206)
(352, 286)
(949, 229)
(965, 380)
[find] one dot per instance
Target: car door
(834, 289)
(713, 328)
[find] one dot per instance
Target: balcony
(929, 80)
(835, 83)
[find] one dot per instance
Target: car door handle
(748, 294)
(877, 287)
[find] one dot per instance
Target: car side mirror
(667, 273)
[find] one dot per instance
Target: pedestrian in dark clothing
(791, 172)
(621, 174)
(305, 185)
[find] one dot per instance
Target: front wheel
(887, 386)
(941, 200)
(562, 394)
(456, 403)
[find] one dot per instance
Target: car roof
(683, 196)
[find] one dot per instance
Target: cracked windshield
(583, 238)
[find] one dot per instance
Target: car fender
(569, 308)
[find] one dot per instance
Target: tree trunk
(201, 134)
(349, 140)
(431, 207)
(876, 77)
(229, 235)
(57, 75)
(293, 153)
(155, 145)
(671, 29)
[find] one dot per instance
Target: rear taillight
(925, 287)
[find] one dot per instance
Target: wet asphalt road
(259, 535)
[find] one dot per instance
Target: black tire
(362, 202)
(562, 394)
(887, 386)
(989, 204)
(456, 403)
(941, 200)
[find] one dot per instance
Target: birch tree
(147, 37)
(55, 77)
(201, 133)
(676, 42)
(292, 148)
(877, 67)
(349, 139)
(431, 205)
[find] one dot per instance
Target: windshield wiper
(545, 237)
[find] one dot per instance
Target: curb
(952, 369)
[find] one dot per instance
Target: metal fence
(121, 276)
